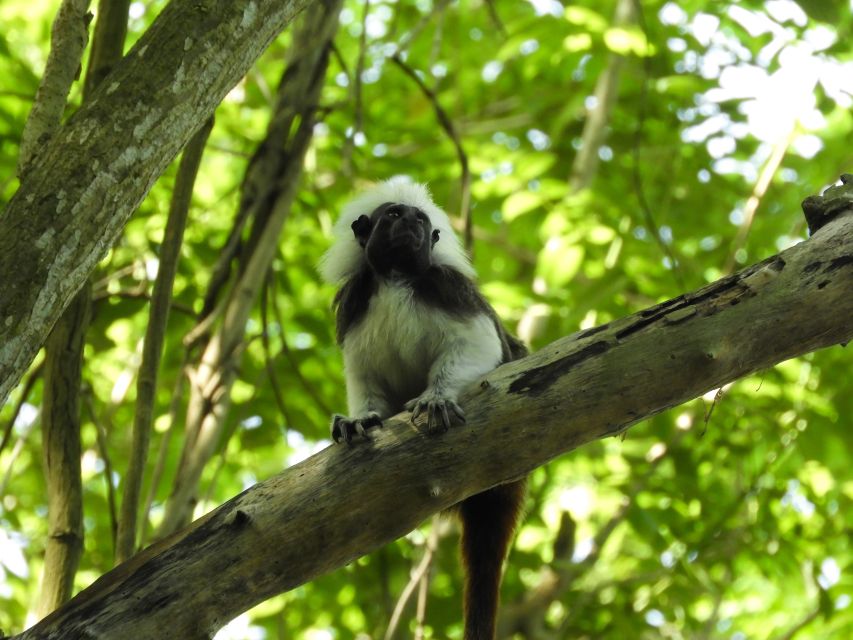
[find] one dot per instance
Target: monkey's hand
(437, 407)
(344, 429)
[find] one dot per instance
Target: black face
(396, 237)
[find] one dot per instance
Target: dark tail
(488, 522)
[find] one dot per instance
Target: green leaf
(520, 203)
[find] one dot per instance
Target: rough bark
(348, 500)
(74, 202)
(107, 42)
(68, 38)
(267, 194)
(64, 347)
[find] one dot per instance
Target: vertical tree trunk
(155, 334)
(61, 453)
(63, 371)
(268, 192)
(63, 364)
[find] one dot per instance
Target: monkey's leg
(488, 523)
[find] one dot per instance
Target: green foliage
(728, 517)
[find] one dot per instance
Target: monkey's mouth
(408, 236)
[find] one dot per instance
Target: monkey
(415, 330)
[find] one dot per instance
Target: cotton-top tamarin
(415, 330)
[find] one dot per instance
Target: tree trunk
(77, 196)
(348, 500)
(268, 190)
(61, 453)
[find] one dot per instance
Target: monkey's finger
(359, 428)
(373, 420)
(445, 416)
(432, 419)
(336, 429)
(436, 421)
(417, 410)
(457, 410)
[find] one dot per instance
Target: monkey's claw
(437, 409)
(345, 429)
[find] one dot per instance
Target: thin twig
(435, 49)
(29, 383)
(799, 626)
(103, 449)
(771, 166)
(136, 294)
(104, 283)
(651, 223)
(415, 578)
(336, 52)
(14, 453)
(157, 474)
(447, 124)
(495, 18)
(423, 588)
(707, 419)
(268, 359)
(405, 41)
(287, 353)
(358, 109)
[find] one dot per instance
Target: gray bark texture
(68, 38)
(349, 500)
(75, 200)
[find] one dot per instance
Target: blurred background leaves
(727, 517)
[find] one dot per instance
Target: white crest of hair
(345, 257)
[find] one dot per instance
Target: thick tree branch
(348, 500)
(74, 201)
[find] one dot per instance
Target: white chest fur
(402, 346)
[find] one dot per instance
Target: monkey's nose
(410, 215)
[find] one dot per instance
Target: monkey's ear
(361, 229)
(434, 237)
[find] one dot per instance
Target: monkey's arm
(367, 406)
(470, 349)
